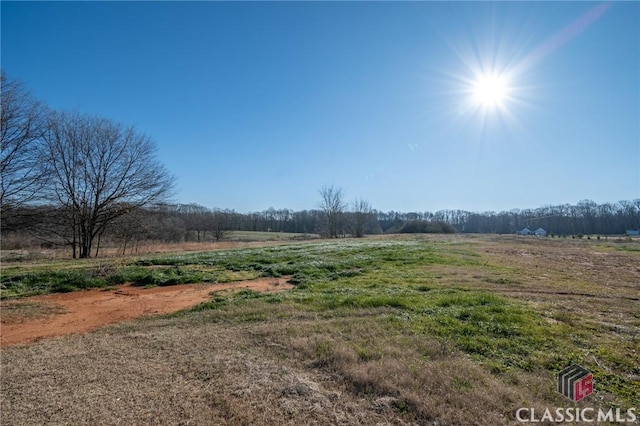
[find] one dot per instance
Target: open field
(435, 330)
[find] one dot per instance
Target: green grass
(414, 287)
(266, 236)
(29, 284)
(338, 280)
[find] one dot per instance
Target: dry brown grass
(202, 369)
(111, 252)
(409, 377)
(261, 239)
(591, 279)
(171, 372)
(278, 363)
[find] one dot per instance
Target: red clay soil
(83, 311)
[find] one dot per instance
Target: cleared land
(403, 330)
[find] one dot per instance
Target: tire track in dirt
(83, 311)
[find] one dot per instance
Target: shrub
(426, 227)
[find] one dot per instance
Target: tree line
(81, 181)
(175, 223)
(586, 217)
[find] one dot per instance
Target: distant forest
(170, 223)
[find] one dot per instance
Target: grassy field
(267, 236)
(437, 330)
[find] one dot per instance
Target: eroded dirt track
(83, 311)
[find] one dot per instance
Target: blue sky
(256, 105)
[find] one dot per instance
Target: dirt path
(34, 318)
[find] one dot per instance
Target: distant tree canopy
(173, 223)
(608, 218)
(586, 217)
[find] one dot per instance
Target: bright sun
(490, 91)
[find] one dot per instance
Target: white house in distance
(540, 232)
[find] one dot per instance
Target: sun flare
(490, 90)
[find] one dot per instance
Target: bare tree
(333, 206)
(196, 217)
(219, 223)
(362, 214)
(130, 229)
(22, 125)
(100, 171)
